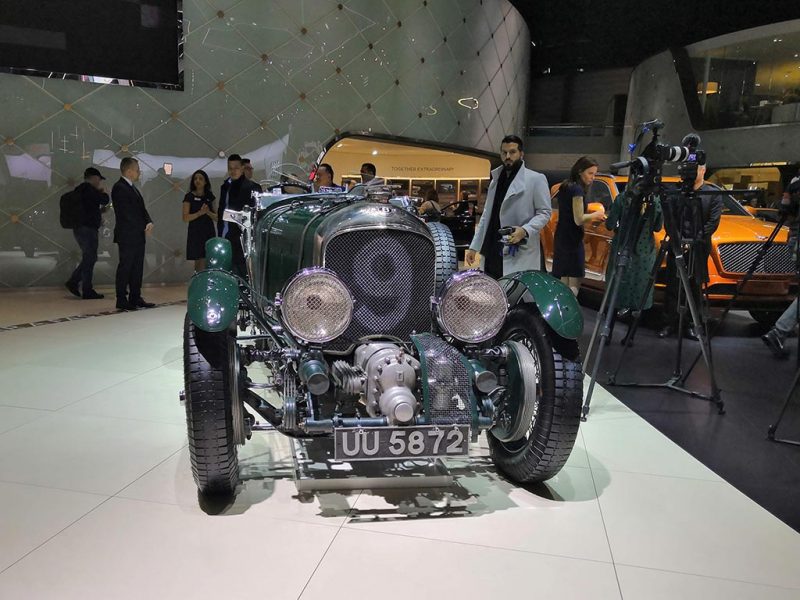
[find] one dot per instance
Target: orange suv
(734, 246)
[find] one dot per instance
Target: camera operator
(711, 211)
(775, 337)
(517, 198)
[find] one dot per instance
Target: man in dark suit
(93, 196)
(697, 259)
(235, 194)
(133, 223)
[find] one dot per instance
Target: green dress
(637, 275)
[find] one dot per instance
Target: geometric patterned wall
(272, 80)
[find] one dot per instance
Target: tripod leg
(662, 252)
(612, 293)
(762, 252)
(600, 315)
(705, 347)
(773, 428)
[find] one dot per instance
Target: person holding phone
(198, 212)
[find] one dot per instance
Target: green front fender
(213, 300)
(219, 254)
(555, 301)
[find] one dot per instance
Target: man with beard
(518, 198)
(235, 194)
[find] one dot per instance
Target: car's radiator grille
(737, 258)
(450, 397)
(391, 277)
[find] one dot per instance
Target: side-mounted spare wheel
(532, 443)
(207, 373)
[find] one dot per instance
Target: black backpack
(71, 213)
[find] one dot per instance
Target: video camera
(650, 162)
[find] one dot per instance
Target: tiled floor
(97, 501)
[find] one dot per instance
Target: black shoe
(667, 331)
(93, 295)
(125, 305)
(690, 332)
(140, 303)
(774, 342)
(73, 288)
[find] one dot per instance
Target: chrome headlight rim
(285, 312)
(459, 280)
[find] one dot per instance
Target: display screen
(136, 41)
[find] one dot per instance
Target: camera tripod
(631, 227)
(796, 383)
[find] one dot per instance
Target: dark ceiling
(570, 35)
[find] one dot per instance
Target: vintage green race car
(354, 324)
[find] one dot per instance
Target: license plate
(400, 443)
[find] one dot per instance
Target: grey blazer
(526, 205)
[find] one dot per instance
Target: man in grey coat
(519, 198)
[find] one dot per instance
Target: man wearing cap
(93, 196)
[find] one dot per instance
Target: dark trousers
(129, 271)
(87, 240)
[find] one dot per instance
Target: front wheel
(545, 443)
(209, 418)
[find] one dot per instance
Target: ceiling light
(374, 153)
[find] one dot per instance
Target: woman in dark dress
(568, 253)
(198, 212)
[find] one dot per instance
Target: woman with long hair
(568, 253)
(431, 207)
(198, 212)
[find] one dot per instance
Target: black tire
(446, 253)
(766, 317)
(206, 369)
(544, 450)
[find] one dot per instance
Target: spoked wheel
(208, 369)
(537, 449)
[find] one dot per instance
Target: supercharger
(389, 382)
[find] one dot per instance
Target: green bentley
(354, 324)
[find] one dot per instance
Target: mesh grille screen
(737, 258)
(391, 277)
(449, 381)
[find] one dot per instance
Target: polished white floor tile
(51, 387)
(646, 584)
(85, 453)
(559, 517)
(395, 566)
(31, 515)
(604, 405)
(11, 417)
(116, 353)
(697, 527)
(151, 396)
(627, 495)
(633, 445)
(129, 550)
(28, 305)
(267, 490)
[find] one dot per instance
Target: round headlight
(316, 305)
(472, 308)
